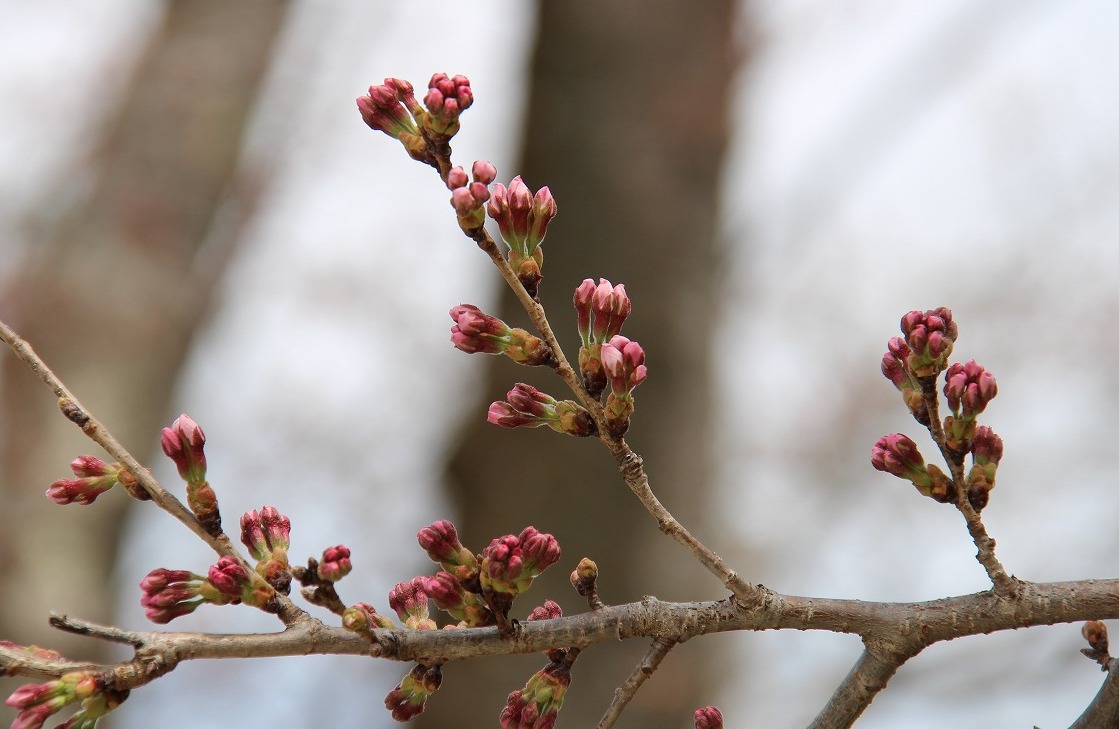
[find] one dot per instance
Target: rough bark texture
(113, 294)
(627, 124)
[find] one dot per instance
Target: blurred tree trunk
(627, 123)
(113, 294)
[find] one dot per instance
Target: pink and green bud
(362, 618)
(522, 219)
(95, 477)
(266, 534)
(464, 606)
(527, 407)
(169, 594)
(985, 455)
(469, 198)
(409, 600)
(184, 444)
(896, 370)
(709, 717)
(228, 582)
(511, 563)
(477, 332)
(409, 697)
(600, 312)
(392, 108)
(898, 455)
(335, 563)
(550, 610)
(33, 651)
(447, 97)
(968, 388)
(38, 702)
(930, 336)
(623, 361)
(537, 705)
(440, 541)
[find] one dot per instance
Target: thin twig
(1103, 712)
(867, 678)
(80, 416)
(1004, 584)
(625, 693)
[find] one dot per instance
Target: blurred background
(193, 218)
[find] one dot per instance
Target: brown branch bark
(1103, 712)
(625, 693)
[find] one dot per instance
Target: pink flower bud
(930, 336)
(476, 332)
(168, 594)
(392, 108)
(522, 218)
(409, 697)
(440, 541)
(229, 577)
(708, 717)
(362, 617)
(897, 454)
(624, 362)
(969, 387)
(447, 97)
(409, 601)
(550, 610)
(582, 300)
(335, 563)
(184, 444)
(987, 447)
(484, 172)
(528, 407)
(82, 491)
(537, 705)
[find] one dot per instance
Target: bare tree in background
(113, 293)
(627, 124)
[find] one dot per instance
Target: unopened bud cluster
(913, 363)
(184, 444)
(266, 534)
(38, 702)
(392, 108)
(605, 356)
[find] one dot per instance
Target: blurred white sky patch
(889, 156)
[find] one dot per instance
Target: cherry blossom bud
(537, 705)
(362, 617)
(511, 563)
(168, 594)
(440, 541)
(38, 702)
(407, 700)
(897, 454)
(95, 480)
(930, 336)
(266, 534)
(550, 610)
(335, 563)
(522, 219)
(392, 108)
(969, 387)
(448, 594)
(623, 361)
(986, 454)
(409, 600)
(469, 199)
(477, 332)
(896, 370)
(709, 717)
(447, 97)
(184, 444)
(527, 407)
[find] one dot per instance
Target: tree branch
(869, 675)
(625, 693)
(1103, 712)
